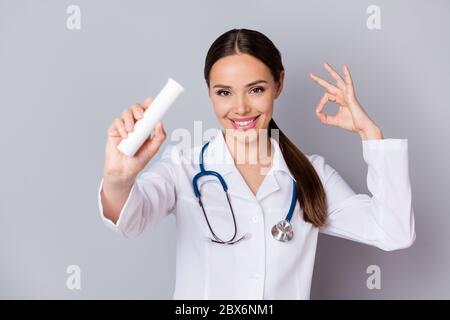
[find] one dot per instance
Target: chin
(243, 136)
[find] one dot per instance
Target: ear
(280, 84)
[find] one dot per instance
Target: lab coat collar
(218, 158)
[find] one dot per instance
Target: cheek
(222, 107)
(263, 104)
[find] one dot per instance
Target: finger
(128, 119)
(163, 130)
(348, 78)
(323, 117)
(120, 126)
(138, 111)
(113, 131)
(160, 133)
(324, 100)
(147, 103)
(327, 119)
(335, 75)
(325, 84)
(153, 144)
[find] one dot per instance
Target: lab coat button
(255, 219)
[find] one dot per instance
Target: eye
(222, 91)
(258, 89)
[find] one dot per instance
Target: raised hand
(351, 115)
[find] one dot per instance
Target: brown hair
(310, 191)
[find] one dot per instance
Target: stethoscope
(282, 231)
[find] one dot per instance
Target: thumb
(147, 102)
(152, 144)
(160, 133)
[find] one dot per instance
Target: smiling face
(243, 91)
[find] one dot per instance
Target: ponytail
(310, 191)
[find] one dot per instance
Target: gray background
(60, 89)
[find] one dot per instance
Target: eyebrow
(248, 85)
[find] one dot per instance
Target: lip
(245, 119)
(251, 125)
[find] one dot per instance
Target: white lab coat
(261, 267)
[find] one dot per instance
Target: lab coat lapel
(218, 158)
(279, 167)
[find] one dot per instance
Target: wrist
(371, 133)
(117, 182)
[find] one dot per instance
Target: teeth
(244, 123)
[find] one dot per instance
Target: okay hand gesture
(351, 115)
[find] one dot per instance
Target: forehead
(238, 70)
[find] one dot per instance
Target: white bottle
(154, 113)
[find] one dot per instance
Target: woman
(238, 250)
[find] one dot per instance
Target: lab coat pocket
(222, 260)
(190, 219)
(221, 222)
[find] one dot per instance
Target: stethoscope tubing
(197, 193)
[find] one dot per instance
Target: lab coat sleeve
(151, 198)
(386, 218)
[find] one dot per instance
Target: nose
(242, 106)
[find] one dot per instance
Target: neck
(256, 152)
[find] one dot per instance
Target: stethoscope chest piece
(282, 231)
